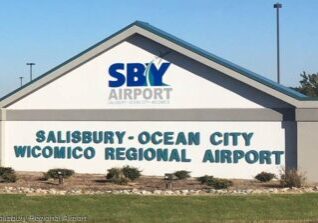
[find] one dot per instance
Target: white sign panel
(222, 149)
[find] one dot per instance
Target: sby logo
(137, 74)
(139, 83)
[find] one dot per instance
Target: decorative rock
(308, 190)
(144, 192)
(285, 189)
(78, 192)
(135, 191)
(184, 192)
(168, 192)
(157, 192)
(52, 191)
(257, 192)
(212, 191)
(40, 191)
(273, 190)
(61, 192)
(221, 191)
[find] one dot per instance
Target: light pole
(277, 6)
(21, 81)
(30, 64)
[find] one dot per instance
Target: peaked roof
(222, 61)
(167, 39)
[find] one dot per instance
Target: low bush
(204, 179)
(7, 175)
(182, 174)
(113, 173)
(219, 183)
(265, 177)
(123, 175)
(292, 178)
(54, 173)
(131, 173)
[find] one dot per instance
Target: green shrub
(182, 174)
(7, 175)
(216, 183)
(5, 170)
(204, 179)
(54, 173)
(114, 173)
(219, 183)
(292, 178)
(264, 176)
(122, 175)
(131, 173)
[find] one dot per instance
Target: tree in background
(308, 84)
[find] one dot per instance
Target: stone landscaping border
(38, 191)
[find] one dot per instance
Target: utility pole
(277, 6)
(30, 64)
(21, 81)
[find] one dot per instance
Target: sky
(241, 31)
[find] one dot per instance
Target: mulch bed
(99, 182)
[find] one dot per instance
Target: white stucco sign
(217, 148)
(147, 99)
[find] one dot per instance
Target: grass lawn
(130, 208)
